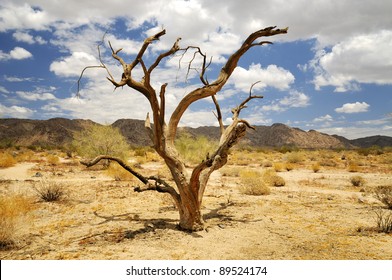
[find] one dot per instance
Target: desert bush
(278, 166)
(194, 150)
(52, 159)
(50, 191)
(287, 149)
(230, 171)
(118, 173)
(6, 160)
(328, 162)
(384, 220)
(353, 167)
(295, 157)
(267, 163)
(100, 140)
(384, 194)
(271, 178)
(357, 181)
(316, 167)
(289, 166)
(13, 210)
(252, 183)
(26, 155)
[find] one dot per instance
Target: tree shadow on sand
(159, 226)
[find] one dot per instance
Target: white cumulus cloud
(15, 112)
(359, 59)
(271, 76)
(350, 108)
(73, 64)
(16, 53)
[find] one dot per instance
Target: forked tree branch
(102, 65)
(150, 183)
(218, 114)
(210, 89)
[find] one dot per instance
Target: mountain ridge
(58, 132)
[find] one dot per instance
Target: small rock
(38, 174)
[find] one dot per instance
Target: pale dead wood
(190, 187)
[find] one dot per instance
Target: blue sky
(332, 72)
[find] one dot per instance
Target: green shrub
(194, 150)
(98, 140)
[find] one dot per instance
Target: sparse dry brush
(384, 220)
(50, 191)
(6, 159)
(14, 211)
(357, 181)
(316, 167)
(252, 183)
(270, 177)
(384, 194)
(118, 173)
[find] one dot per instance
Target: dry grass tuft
(252, 183)
(52, 159)
(7, 160)
(357, 181)
(50, 191)
(316, 167)
(353, 167)
(118, 173)
(271, 178)
(384, 194)
(13, 210)
(384, 220)
(278, 166)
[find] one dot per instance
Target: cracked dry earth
(314, 216)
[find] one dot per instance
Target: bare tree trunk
(190, 187)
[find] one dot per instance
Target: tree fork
(190, 186)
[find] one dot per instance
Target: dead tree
(190, 185)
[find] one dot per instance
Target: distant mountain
(46, 133)
(378, 140)
(278, 135)
(134, 131)
(58, 132)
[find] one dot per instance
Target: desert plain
(319, 213)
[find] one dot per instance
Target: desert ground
(315, 215)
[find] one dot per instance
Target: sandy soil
(314, 216)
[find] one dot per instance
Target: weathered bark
(190, 185)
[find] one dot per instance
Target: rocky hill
(58, 132)
(45, 133)
(278, 135)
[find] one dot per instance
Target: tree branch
(146, 43)
(163, 103)
(151, 182)
(210, 89)
(173, 50)
(219, 114)
(102, 65)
